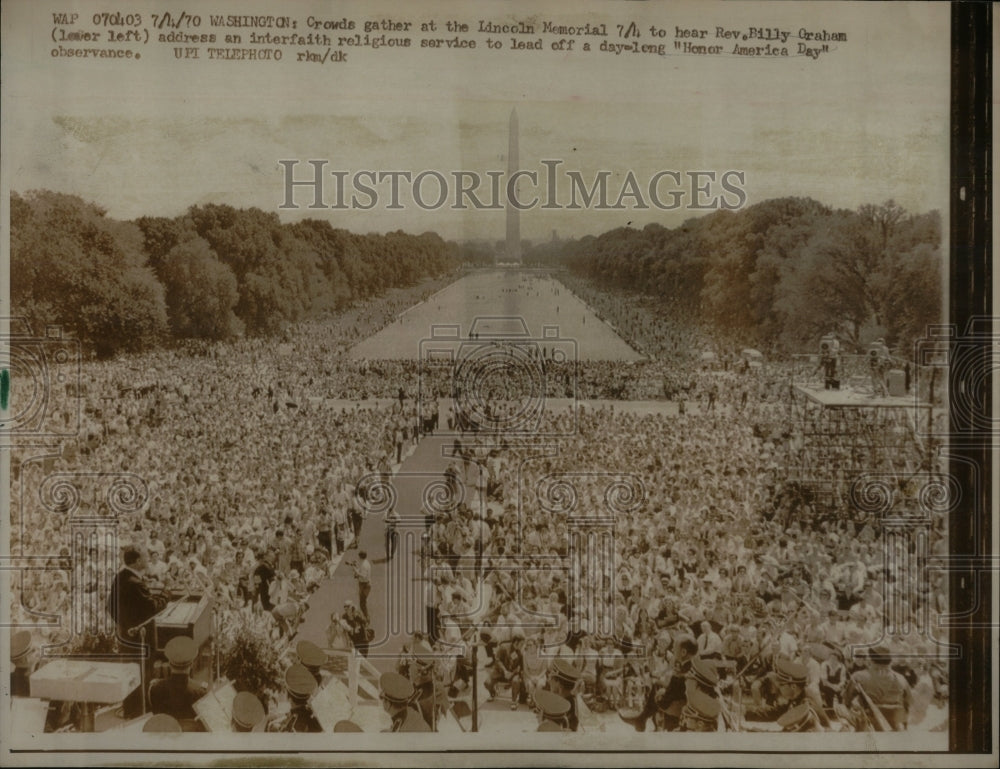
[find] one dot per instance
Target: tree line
(215, 272)
(779, 274)
(776, 275)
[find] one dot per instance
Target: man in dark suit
(131, 604)
(263, 575)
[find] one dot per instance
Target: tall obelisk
(513, 213)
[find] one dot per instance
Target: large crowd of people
(248, 454)
(227, 452)
(703, 560)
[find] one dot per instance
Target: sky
(866, 122)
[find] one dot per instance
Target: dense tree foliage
(201, 292)
(213, 273)
(776, 275)
(73, 267)
(779, 274)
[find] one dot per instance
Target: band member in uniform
(248, 713)
(552, 711)
(887, 689)
(783, 690)
(22, 663)
(701, 713)
(800, 718)
(161, 723)
(702, 675)
(397, 695)
(176, 694)
(313, 658)
(300, 685)
(564, 679)
(672, 697)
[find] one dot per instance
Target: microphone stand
(141, 628)
(475, 684)
(142, 666)
(215, 642)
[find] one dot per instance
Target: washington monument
(513, 250)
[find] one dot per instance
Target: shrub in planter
(94, 645)
(250, 660)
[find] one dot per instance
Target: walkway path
(542, 303)
(394, 584)
(399, 583)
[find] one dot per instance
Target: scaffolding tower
(834, 437)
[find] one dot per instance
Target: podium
(190, 616)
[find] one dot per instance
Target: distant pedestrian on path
(391, 533)
(357, 519)
(363, 574)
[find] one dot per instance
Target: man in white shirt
(363, 574)
(709, 642)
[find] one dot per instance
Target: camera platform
(848, 398)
